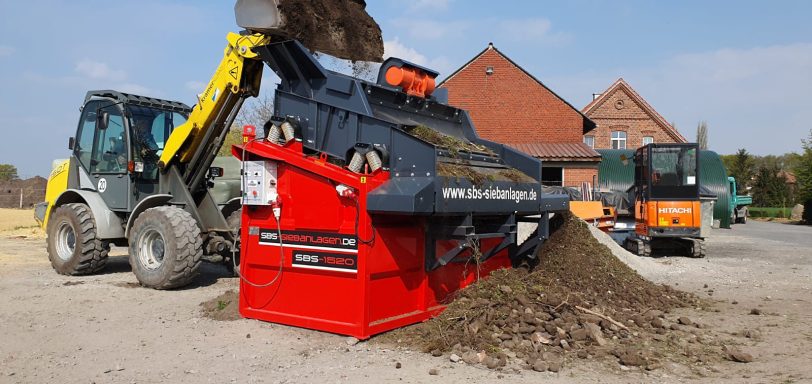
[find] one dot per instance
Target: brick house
(510, 106)
(626, 121)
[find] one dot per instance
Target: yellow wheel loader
(140, 170)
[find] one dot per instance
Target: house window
(648, 140)
(618, 140)
(590, 141)
(552, 176)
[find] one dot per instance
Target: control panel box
(259, 182)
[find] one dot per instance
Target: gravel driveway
(104, 328)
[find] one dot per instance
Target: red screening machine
(351, 222)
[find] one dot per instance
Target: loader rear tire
(233, 221)
(73, 246)
(166, 249)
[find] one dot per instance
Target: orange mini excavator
(667, 206)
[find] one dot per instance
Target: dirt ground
(103, 328)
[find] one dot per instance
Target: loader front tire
(166, 249)
(73, 247)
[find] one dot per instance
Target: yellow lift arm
(239, 72)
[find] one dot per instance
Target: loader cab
(667, 172)
(117, 145)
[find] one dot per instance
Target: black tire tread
(233, 221)
(189, 245)
(93, 251)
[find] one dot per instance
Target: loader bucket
(259, 16)
(341, 28)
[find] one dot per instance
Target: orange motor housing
(414, 81)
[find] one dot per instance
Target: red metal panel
(390, 287)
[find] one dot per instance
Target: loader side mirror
(215, 172)
(71, 142)
(102, 119)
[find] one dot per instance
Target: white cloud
(393, 48)
(90, 74)
(428, 29)
(99, 70)
(195, 86)
(531, 29)
(754, 98)
(137, 89)
(429, 5)
(6, 50)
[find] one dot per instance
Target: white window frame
(621, 141)
(648, 140)
(591, 139)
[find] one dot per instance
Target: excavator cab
(667, 203)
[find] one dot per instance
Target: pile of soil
(339, 28)
(578, 302)
(478, 176)
(461, 170)
(33, 191)
(223, 308)
(453, 144)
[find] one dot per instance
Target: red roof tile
(558, 151)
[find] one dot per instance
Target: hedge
(769, 212)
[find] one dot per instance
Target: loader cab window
(150, 129)
(83, 147)
(110, 144)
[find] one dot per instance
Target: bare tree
(256, 111)
(702, 135)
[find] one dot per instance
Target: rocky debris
(595, 334)
(351, 341)
(750, 334)
(797, 213)
(630, 358)
(755, 311)
(434, 372)
(579, 300)
(541, 366)
(470, 357)
(454, 358)
(685, 321)
(737, 355)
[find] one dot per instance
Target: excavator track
(639, 247)
(697, 248)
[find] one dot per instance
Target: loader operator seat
(144, 145)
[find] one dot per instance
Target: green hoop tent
(616, 173)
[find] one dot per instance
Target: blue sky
(743, 66)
